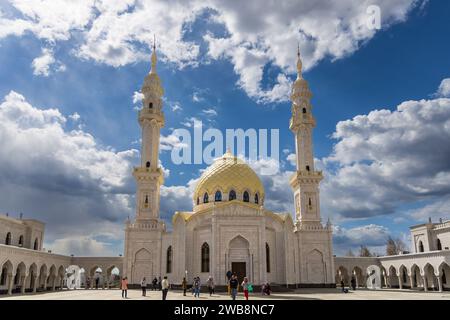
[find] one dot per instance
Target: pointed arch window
(36, 244)
(267, 258)
(205, 197)
(421, 249)
(404, 276)
(246, 197)
(8, 238)
(21, 241)
(256, 198)
(3, 277)
(150, 105)
(17, 277)
(304, 110)
(232, 195)
(169, 260)
(218, 196)
(439, 244)
(205, 257)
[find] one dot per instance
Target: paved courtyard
(301, 294)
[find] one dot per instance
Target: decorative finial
(299, 62)
(153, 70)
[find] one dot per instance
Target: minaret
(305, 182)
(149, 176)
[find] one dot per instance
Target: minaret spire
(299, 62)
(153, 69)
(305, 181)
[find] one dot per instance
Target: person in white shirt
(144, 286)
(165, 288)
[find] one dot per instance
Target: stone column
(411, 279)
(54, 283)
(10, 283)
(425, 283)
(441, 289)
(34, 283)
(400, 282)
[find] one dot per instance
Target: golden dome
(229, 173)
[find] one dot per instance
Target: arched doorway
(431, 282)
(315, 266)
(52, 278)
(393, 277)
(143, 266)
(404, 279)
(32, 277)
(113, 277)
(96, 275)
(444, 272)
(239, 257)
(416, 279)
(19, 279)
(6, 276)
(358, 274)
(342, 275)
(42, 283)
(60, 277)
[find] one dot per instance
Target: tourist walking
(234, 283)
(343, 286)
(353, 283)
(210, 283)
(245, 286)
(154, 283)
(196, 285)
(184, 286)
(165, 288)
(266, 290)
(159, 283)
(144, 286)
(229, 274)
(124, 287)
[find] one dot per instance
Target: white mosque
(228, 228)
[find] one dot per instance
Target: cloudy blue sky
(71, 71)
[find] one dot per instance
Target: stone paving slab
(300, 294)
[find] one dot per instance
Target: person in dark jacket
(159, 283)
(353, 283)
(154, 283)
(234, 283)
(184, 286)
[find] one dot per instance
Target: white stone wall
(29, 229)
